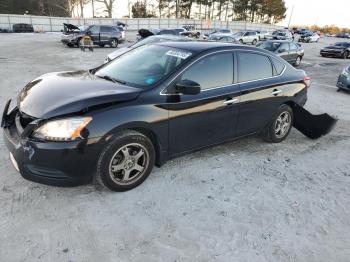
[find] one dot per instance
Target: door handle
(231, 101)
(275, 92)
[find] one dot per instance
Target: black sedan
(288, 50)
(340, 49)
(151, 104)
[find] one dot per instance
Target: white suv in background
(245, 37)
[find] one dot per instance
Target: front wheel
(280, 125)
(254, 42)
(126, 162)
(113, 43)
(241, 41)
(345, 55)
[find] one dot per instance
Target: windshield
(270, 46)
(225, 31)
(144, 66)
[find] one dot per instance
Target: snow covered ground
(242, 201)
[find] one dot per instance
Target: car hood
(118, 52)
(335, 47)
(63, 93)
(71, 27)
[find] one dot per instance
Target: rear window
(252, 66)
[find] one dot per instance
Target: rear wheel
(126, 162)
(297, 61)
(280, 126)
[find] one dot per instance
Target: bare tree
(109, 6)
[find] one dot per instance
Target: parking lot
(246, 200)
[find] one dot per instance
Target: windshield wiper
(114, 80)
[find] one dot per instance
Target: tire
(113, 43)
(254, 42)
(101, 45)
(345, 55)
(278, 131)
(297, 61)
(241, 41)
(130, 154)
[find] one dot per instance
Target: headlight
(63, 129)
(345, 72)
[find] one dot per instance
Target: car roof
(201, 46)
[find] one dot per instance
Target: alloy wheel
(128, 164)
(283, 124)
(114, 43)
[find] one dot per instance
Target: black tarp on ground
(312, 126)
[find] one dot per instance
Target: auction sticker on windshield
(179, 54)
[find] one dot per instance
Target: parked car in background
(309, 38)
(340, 49)
(290, 51)
(262, 34)
(282, 35)
(22, 28)
(245, 37)
(217, 31)
(302, 31)
(149, 40)
(343, 35)
(143, 33)
(154, 103)
(5, 30)
(344, 79)
(222, 38)
(101, 35)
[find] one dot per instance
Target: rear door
(261, 95)
(284, 51)
(211, 116)
(293, 52)
(105, 34)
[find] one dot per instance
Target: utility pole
(93, 8)
(291, 14)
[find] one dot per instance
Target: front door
(209, 117)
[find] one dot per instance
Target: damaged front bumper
(68, 163)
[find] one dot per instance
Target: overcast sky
(306, 12)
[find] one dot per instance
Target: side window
(106, 29)
(211, 71)
(279, 66)
(252, 66)
(94, 29)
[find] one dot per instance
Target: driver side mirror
(188, 87)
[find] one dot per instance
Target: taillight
(307, 81)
